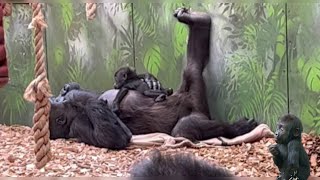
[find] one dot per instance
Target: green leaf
(58, 55)
(67, 13)
(300, 64)
(311, 73)
(269, 10)
(146, 18)
(180, 39)
(152, 60)
(280, 48)
(308, 113)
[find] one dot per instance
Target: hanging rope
(91, 9)
(39, 92)
(7, 9)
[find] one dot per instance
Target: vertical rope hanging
(91, 9)
(39, 92)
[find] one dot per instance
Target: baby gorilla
(127, 79)
(176, 165)
(68, 87)
(289, 154)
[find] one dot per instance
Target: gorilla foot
(178, 12)
(160, 98)
(169, 91)
(243, 126)
(185, 16)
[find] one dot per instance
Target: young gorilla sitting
(289, 154)
(127, 79)
(176, 165)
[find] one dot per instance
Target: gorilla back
(79, 114)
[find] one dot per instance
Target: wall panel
(304, 63)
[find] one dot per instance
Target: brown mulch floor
(77, 159)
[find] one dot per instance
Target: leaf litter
(73, 159)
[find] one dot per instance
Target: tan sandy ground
(77, 159)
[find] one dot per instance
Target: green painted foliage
(252, 71)
(180, 39)
(310, 71)
(66, 13)
(253, 43)
(77, 73)
(152, 60)
(280, 46)
(146, 18)
(309, 113)
(251, 93)
(168, 7)
(58, 55)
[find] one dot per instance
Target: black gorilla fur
(182, 164)
(127, 79)
(289, 154)
(81, 115)
(185, 113)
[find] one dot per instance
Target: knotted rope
(38, 92)
(91, 9)
(7, 9)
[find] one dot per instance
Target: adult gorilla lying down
(184, 114)
(81, 115)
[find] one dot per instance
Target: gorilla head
(81, 115)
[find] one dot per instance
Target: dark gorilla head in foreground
(79, 114)
(158, 164)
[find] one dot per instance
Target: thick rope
(39, 92)
(91, 9)
(7, 9)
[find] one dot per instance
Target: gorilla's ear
(61, 120)
(296, 132)
(125, 75)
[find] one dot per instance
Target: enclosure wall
(249, 73)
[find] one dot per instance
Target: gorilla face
(60, 119)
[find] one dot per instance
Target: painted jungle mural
(265, 58)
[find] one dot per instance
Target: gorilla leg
(197, 57)
(197, 127)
